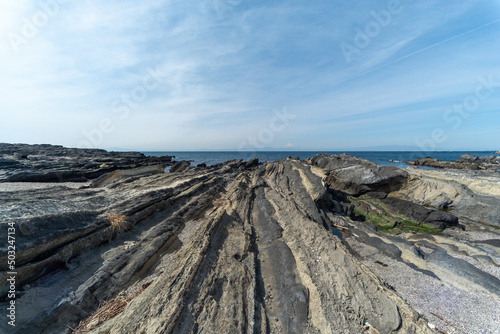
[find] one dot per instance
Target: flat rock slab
(232, 248)
(50, 163)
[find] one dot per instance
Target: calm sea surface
(395, 158)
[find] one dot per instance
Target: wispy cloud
(223, 74)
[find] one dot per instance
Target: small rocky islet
(108, 242)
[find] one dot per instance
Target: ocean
(382, 158)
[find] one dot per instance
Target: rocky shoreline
(49, 163)
(332, 244)
(466, 161)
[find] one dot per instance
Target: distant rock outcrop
(51, 163)
(466, 161)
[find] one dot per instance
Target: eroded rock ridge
(240, 247)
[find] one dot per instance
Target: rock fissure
(242, 248)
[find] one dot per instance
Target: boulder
(440, 219)
(356, 176)
(418, 213)
(408, 209)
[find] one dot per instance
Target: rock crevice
(238, 248)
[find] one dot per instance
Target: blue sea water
(383, 158)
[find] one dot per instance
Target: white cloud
(223, 74)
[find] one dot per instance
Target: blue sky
(228, 74)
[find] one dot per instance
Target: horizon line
(312, 150)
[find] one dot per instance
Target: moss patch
(386, 221)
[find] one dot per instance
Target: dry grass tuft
(106, 311)
(221, 202)
(118, 222)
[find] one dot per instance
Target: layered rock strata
(49, 163)
(238, 247)
(231, 249)
(466, 161)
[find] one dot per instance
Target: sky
(240, 74)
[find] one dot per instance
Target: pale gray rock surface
(235, 248)
(243, 247)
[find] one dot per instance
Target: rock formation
(49, 163)
(357, 176)
(466, 161)
(470, 194)
(237, 247)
